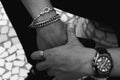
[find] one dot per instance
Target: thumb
(72, 39)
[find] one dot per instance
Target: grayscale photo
(59, 40)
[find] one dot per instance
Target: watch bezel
(109, 70)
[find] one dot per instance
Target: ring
(41, 53)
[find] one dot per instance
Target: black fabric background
(101, 11)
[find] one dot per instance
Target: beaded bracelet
(46, 22)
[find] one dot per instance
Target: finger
(51, 72)
(51, 52)
(72, 39)
(37, 55)
(42, 66)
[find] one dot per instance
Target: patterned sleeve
(85, 28)
(13, 62)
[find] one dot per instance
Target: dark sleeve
(101, 11)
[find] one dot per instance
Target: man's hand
(67, 62)
(52, 35)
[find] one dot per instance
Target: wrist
(34, 7)
(89, 67)
(56, 28)
(46, 16)
(53, 34)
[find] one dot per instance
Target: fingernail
(37, 55)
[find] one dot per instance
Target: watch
(102, 63)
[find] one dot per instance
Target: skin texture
(72, 59)
(52, 36)
(66, 62)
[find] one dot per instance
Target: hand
(67, 62)
(52, 35)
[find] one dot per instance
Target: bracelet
(46, 22)
(45, 11)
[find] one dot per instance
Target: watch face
(103, 64)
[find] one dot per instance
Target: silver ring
(41, 53)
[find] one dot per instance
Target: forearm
(51, 35)
(34, 7)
